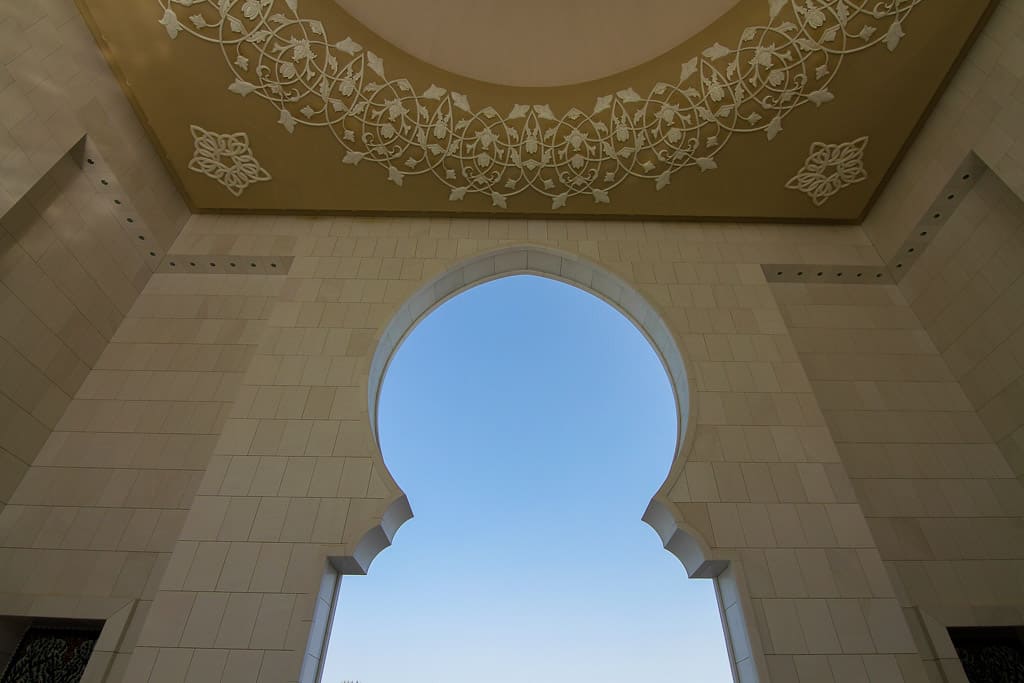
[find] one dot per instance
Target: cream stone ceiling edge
(741, 121)
(536, 43)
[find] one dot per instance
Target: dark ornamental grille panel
(51, 655)
(991, 655)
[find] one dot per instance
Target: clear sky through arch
(529, 423)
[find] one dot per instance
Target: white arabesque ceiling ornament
(312, 80)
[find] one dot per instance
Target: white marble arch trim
(544, 262)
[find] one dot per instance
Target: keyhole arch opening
(663, 516)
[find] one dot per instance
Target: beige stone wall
(89, 531)
(919, 384)
(942, 503)
(70, 268)
(74, 255)
(296, 476)
(968, 292)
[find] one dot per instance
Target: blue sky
(529, 423)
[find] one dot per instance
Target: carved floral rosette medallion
(829, 169)
(227, 158)
(647, 132)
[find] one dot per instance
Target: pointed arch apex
(530, 259)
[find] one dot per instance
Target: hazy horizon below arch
(529, 423)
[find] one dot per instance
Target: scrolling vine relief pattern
(585, 152)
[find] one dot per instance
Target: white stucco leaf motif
(348, 46)
(375, 63)
(830, 168)
(227, 158)
(240, 87)
(716, 51)
(894, 35)
(287, 120)
(519, 111)
(688, 69)
(353, 158)
(706, 164)
(170, 22)
(820, 97)
(461, 101)
(544, 111)
(434, 93)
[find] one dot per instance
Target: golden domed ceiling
(536, 42)
(739, 109)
